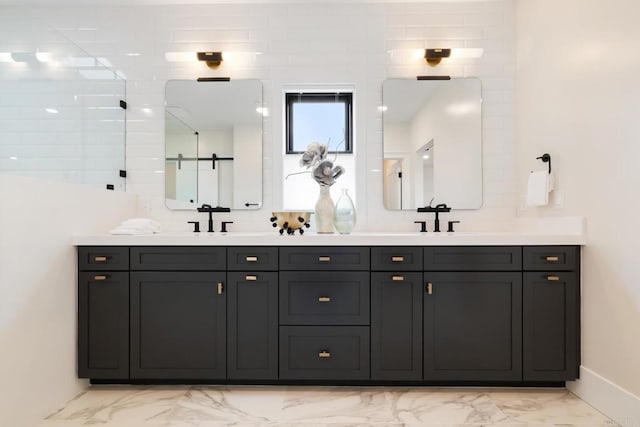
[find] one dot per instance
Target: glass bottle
(345, 214)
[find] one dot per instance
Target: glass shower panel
(60, 112)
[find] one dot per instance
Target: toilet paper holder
(546, 158)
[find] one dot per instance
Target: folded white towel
(137, 226)
(538, 188)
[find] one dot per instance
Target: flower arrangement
(323, 171)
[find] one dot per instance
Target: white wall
(348, 43)
(38, 286)
(578, 99)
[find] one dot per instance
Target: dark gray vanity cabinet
(551, 315)
(366, 315)
(396, 326)
(472, 326)
(396, 313)
(178, 313)
(178, 325)
(252, 314)
(103, 313)
(324, 313)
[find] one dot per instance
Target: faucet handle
(423, 226)
(196, 226)
(224, 226)
(450, 226)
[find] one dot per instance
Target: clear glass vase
(345, 214)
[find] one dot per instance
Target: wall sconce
(212, 59)
(434, 56)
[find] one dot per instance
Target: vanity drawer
(187, 258)
(550, 258)
(324, 298)
(324, 352)
(253, 258)
(324, 258)
(473, 258)
(103, 258)
(396, 259)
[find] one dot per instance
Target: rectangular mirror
(213, 144)
(432, 134)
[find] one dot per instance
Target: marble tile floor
(269, 406)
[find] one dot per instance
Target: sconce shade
(212, 59)
(434, 56)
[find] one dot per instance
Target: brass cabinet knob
(324, 299)
(397, 259)
(100, 258)
(252, 259)
(324, 354)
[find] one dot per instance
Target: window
(322, 117)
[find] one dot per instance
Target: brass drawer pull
(397, 278)
(552, 258)
(250, 278)
(100, 258)
(324, 299)
(324, 259)
(553, 278)
(429, 288)
(100, 278)
(252, 259)
(324, 354)
(220, 288)
(397, 258)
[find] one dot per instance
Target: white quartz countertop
(312, 239)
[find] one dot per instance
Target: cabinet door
(550, 325)
(178, 325)
(103, 325)
(473, 326)
(252, 326)
(396, 326)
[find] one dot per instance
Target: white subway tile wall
(352, 43)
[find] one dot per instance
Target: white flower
(323, 171)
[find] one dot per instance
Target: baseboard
(612, 400)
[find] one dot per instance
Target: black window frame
(316, 97)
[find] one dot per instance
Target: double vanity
(361, 309)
